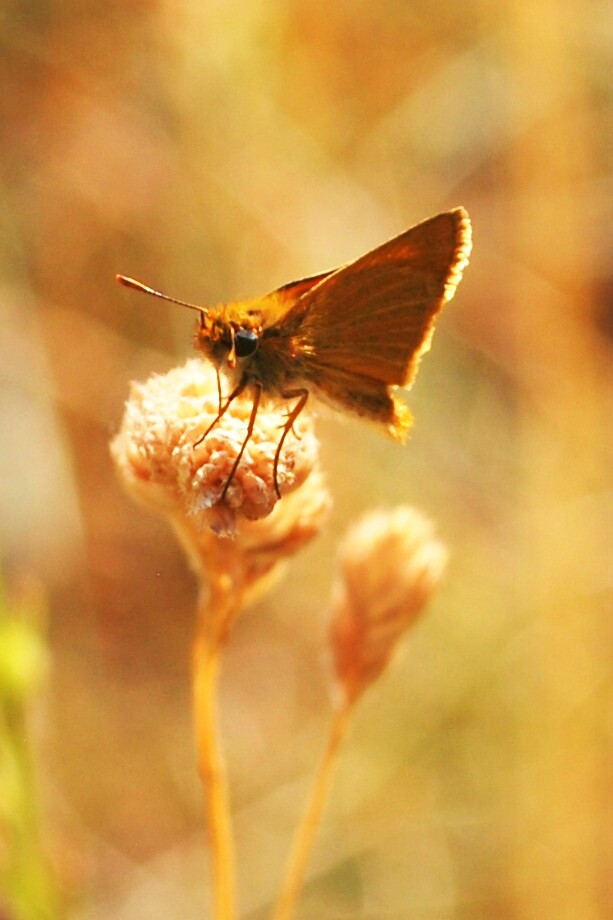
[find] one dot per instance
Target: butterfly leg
(219, 396)
(252, 417)
(222, 408)
(292, 429)
(302, 395)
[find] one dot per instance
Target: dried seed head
(391, 562)
(155, 454)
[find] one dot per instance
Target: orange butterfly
(349, 336)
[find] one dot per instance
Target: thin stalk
(214, 616)
(296, 867)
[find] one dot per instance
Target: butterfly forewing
(374, 317)
(276, 305)
(293, 290)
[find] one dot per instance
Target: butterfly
(350, 336)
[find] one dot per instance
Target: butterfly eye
(245, 343)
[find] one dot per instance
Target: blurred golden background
(217, 150)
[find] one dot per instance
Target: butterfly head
(227, 342)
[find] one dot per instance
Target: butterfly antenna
(145, 289)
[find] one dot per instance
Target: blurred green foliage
(27, 885)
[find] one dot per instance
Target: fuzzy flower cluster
(391, 562)
(161, 462)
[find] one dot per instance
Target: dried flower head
(156, 457)
(391, 562)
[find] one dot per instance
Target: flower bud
(391, 562)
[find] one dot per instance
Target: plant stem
(295, 870)
(215, 613)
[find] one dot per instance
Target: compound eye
(245, 343)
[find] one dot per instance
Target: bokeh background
(217, 150)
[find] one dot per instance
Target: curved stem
(295, 870)
(214, 616)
